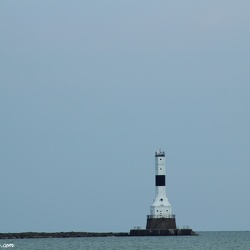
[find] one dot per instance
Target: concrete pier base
(166, 232)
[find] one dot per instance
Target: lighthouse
(161, 216)
(160, 221)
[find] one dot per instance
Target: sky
(89, 90)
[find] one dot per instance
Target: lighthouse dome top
(159, 153)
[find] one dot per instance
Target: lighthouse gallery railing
(171, 216)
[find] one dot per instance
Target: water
(205, 240)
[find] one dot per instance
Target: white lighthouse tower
(161, 206)
(161, 216)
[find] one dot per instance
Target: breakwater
(132, 233)
(28, 235)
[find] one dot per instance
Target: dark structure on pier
(160, 223)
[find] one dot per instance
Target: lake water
(205, 240)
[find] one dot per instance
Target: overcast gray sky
(89, 90)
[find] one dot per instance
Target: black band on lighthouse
(160, 180)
